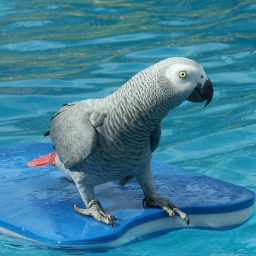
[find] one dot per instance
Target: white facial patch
(184, 74)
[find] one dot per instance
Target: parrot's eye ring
(182, 74)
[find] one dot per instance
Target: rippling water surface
(54, 52)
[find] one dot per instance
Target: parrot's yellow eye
(182, 74)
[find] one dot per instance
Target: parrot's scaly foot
(96, 210)
(165, 204)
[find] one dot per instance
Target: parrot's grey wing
(73, 134)
(155, 137)
(64, 106)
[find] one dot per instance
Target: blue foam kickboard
(36, 203)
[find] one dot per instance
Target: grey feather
(155, 137)
(101, 140)
(75, 140)
(128, 122)
(64, 107)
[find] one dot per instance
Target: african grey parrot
(101, 140)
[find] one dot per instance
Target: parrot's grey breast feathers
(155, 138)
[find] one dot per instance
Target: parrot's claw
(165, 204)
(97, 212)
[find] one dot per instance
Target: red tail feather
(44, 160)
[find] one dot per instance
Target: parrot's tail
(44, 160)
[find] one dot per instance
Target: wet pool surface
(54, 52)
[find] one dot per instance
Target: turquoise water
(54, 52)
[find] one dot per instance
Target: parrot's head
(189, 78)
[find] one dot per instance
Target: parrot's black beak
(202, 93)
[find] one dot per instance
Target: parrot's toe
(97, 212)
(165, 204)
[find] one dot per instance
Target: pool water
(54, 52)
